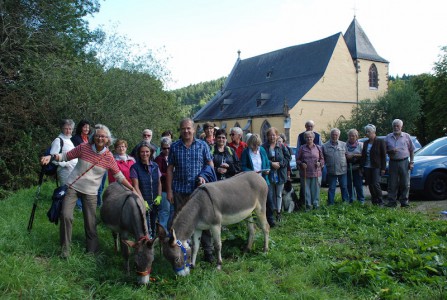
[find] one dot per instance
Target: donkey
(212, 205)
(124, 213)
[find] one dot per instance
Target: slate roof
(359, 45)
(271, 78)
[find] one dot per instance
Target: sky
(201, 39)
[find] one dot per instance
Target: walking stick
(352, 183)
(305, 175)
(36, 199)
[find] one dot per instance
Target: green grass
(338, 252)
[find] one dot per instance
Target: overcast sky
(202, 37)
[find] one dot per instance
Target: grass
(338, 252)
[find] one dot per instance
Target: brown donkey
(212, 205)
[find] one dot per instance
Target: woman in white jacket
(64, 167)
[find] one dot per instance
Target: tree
(400, 102)
(436, 103)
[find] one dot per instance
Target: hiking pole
(305, 175)
(354, 194)
(36, 199)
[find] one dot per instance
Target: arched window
(265, 126)
(373, 77)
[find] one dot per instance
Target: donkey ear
(161, 232)
(173, 239)
(129, 243)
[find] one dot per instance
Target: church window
(373, 77)
(265, 126)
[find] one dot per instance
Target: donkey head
(144, 256)
(178, 253)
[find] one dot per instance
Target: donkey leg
(251, 234)
(262, 222)
(196, 245)
(125, 252)
(216, 233)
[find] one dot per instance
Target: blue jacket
(247, 164)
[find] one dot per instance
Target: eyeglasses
(101, 136)
(220, 137)
(165, 148)
(232, 134)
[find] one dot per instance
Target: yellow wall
(333, 97)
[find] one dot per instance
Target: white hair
(370, 127)
(397, 121)
(237, 130)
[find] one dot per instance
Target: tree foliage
(195, 96)
(53, 67)
(400, 102)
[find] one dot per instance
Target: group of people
(351, 162)
(165, 176)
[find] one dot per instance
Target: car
(429, 174)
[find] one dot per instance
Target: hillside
(195, 96)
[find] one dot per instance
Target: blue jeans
(275, 189)
(357, 182)
(101, 189)
(332, 182)
(165, 211)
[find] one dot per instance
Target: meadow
(338, 252)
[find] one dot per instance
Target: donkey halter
(185, 257)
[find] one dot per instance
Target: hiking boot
(404, 204)
(391, 204)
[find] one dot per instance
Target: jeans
(332, 182)
(165, 212)
(101, 189)
(275, 195)
(357, 182)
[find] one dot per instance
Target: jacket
(377, 154)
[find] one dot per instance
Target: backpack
(50, 169)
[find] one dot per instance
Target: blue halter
(185, 257)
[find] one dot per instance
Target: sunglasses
(165, 148)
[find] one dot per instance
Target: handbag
(59, 194)
(56, 205)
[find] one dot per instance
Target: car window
(435, 148)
